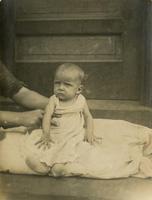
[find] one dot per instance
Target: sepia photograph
(75, 99)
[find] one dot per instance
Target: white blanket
(125, 151)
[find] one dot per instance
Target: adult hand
(31, 118)
(34, 118)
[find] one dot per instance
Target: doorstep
(131, 111)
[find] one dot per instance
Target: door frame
(146, 87)
(146, 52)
(8, 24)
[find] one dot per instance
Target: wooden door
(102, 36)
(0, 31)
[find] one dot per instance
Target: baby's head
(68, 81)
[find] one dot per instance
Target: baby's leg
(67, 169)
(34, 163)
(145, 167)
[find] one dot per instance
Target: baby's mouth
(58, 94)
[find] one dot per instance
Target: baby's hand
(89, 137)
(45, 142)
(54, 120)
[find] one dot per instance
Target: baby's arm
(89, 134)
(46, 123)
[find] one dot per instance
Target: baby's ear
(85, 77)
(80, 89)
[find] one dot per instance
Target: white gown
(119, 152)
(113, 155)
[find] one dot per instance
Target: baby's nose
(61, 87)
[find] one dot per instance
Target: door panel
(67, 8)
(102, 36)
(1, 28)
(69, 48)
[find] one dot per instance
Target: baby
(62, 143)
(68, 85)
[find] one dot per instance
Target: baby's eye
(68, 84)
(56, 82)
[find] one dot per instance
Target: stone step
(131, 111)
(23, 187)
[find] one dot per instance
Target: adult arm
(15, 89)
(30, 99)
(11, 87)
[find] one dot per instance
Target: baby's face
(66, 85)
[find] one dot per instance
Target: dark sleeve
(9, 85)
